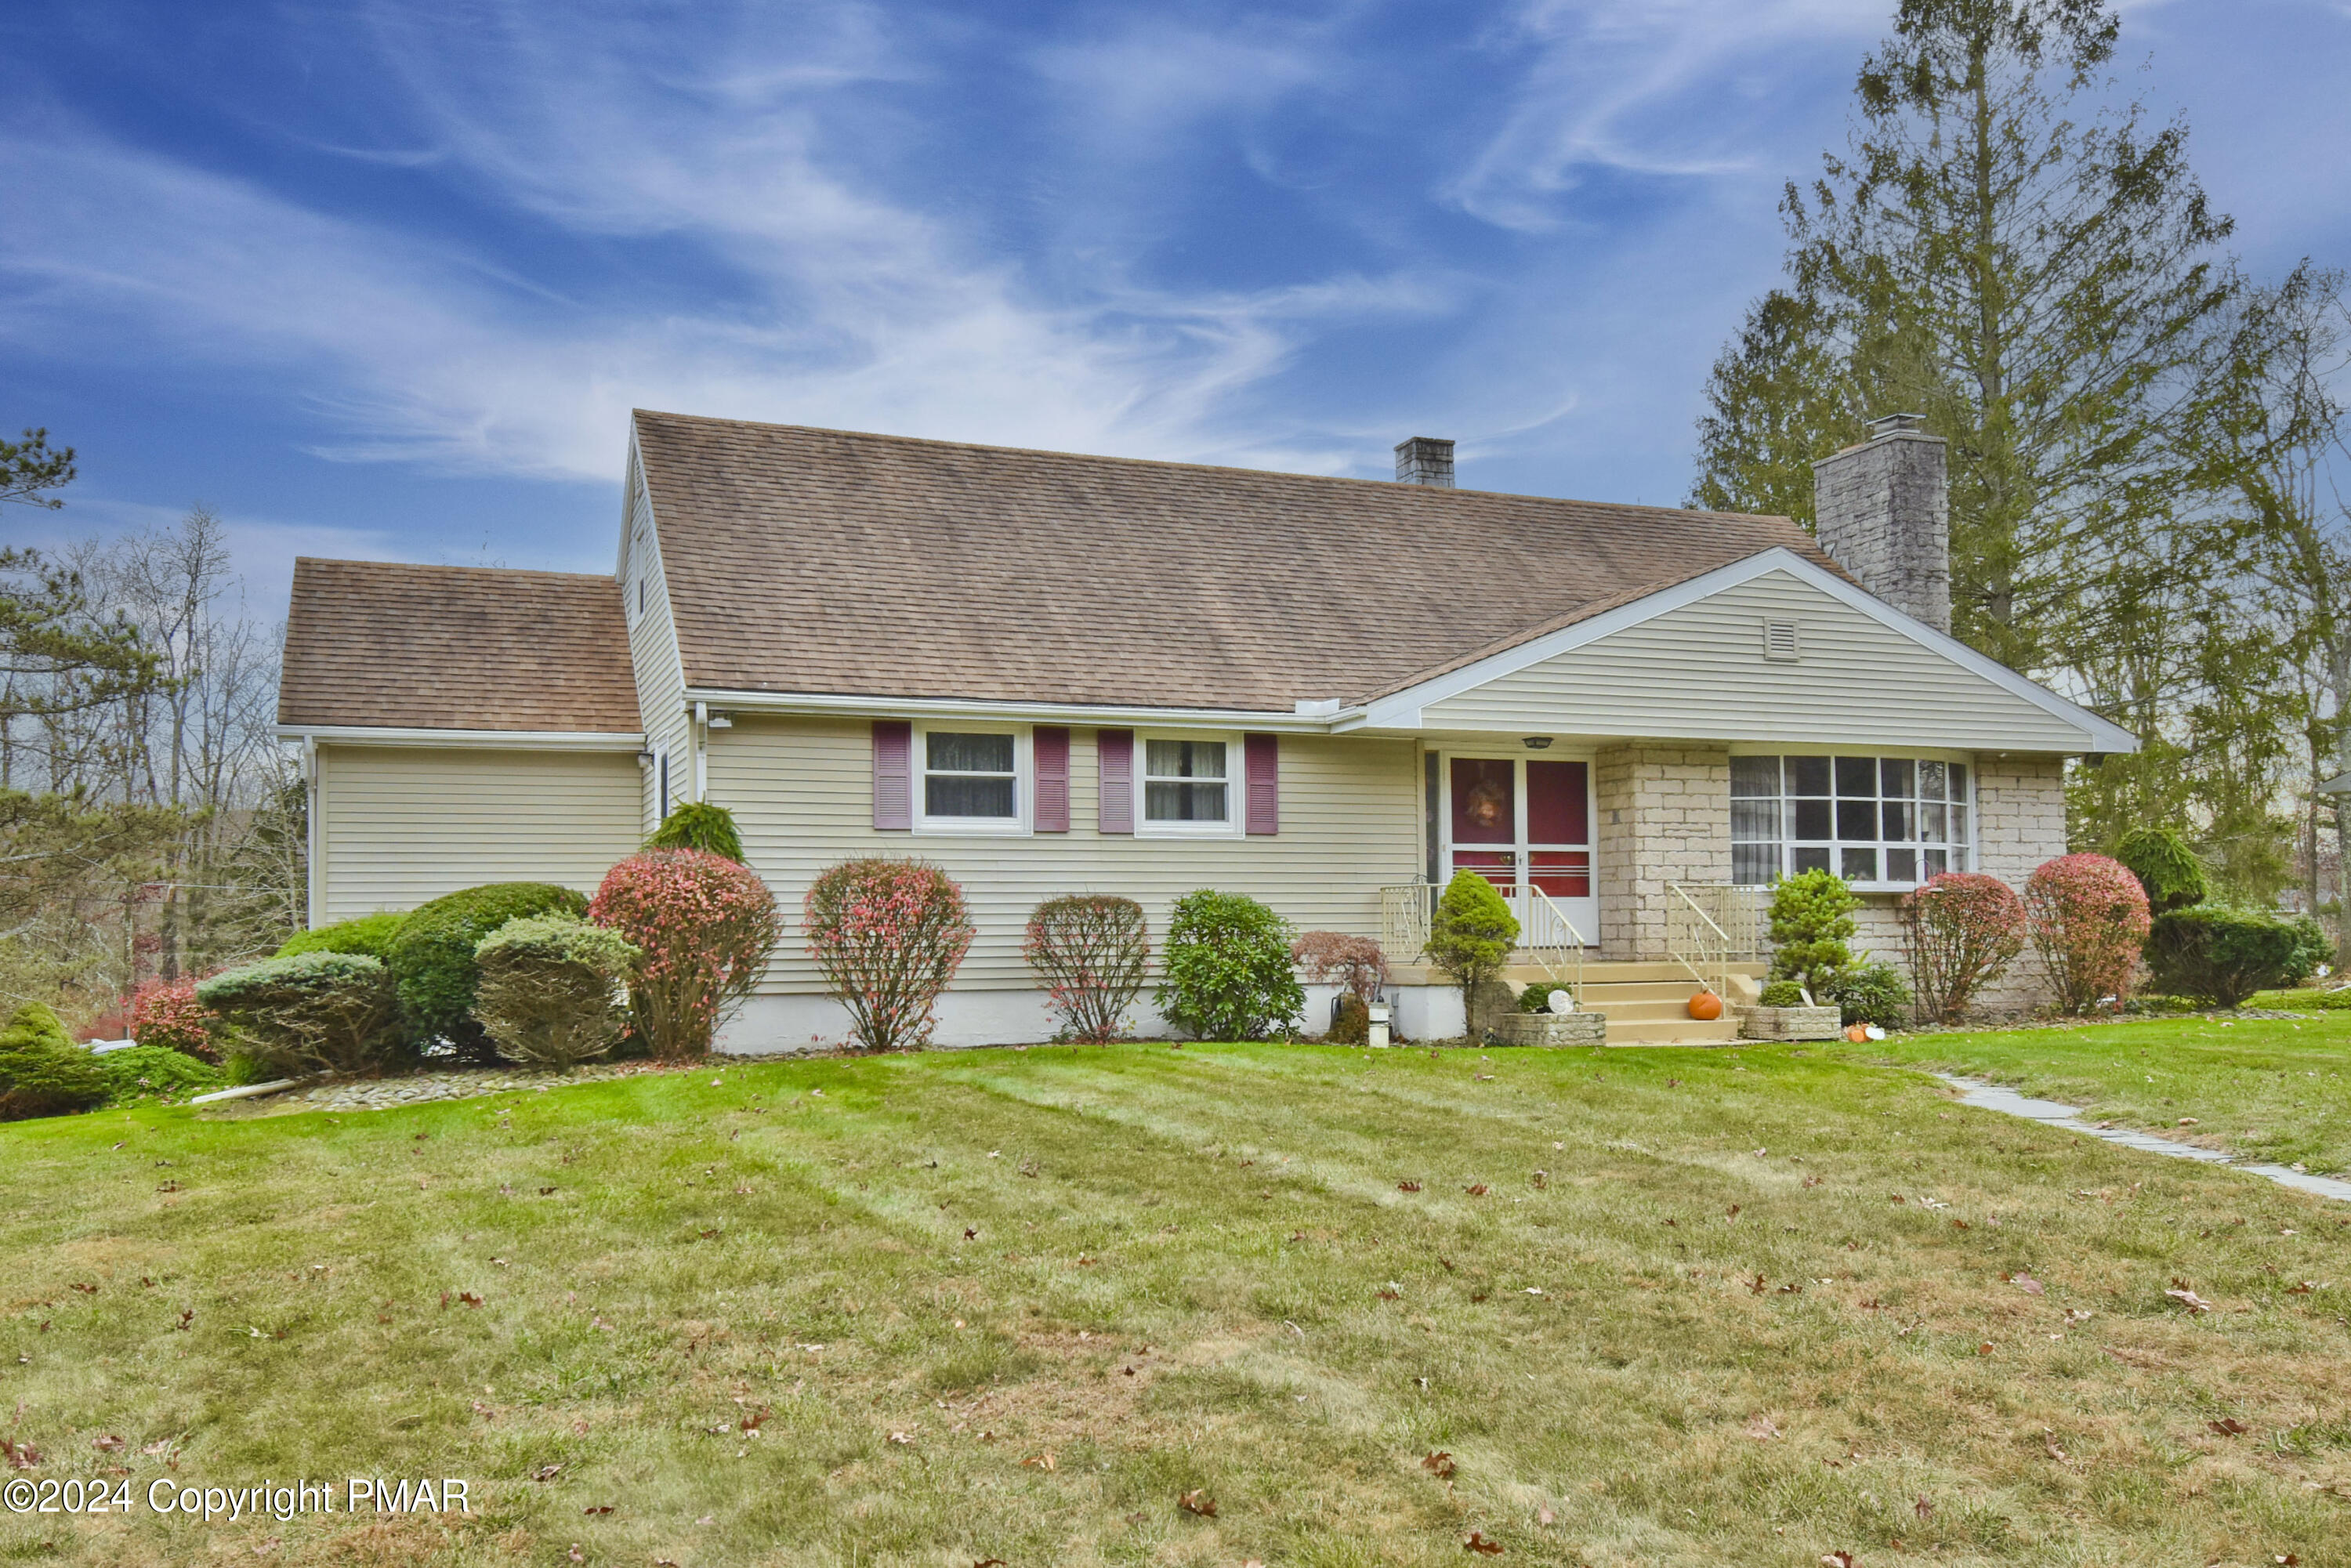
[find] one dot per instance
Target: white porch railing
(1711, 926)
(1546, 935)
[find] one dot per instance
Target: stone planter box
(1789, 1023)
(1552, 1029)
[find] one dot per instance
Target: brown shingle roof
(827, 561)
(455, 647)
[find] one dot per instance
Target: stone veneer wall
(2020, 823)
(1664, 816)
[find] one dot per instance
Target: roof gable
(817, 561)
(1689, 661)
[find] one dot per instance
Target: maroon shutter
(893, 769)
(1049, 745)
(1262, 754)
(1114, 751)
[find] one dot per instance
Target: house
(1050, 673)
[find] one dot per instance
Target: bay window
(1877, 821)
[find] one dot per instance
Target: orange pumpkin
(1858, 1033)
(1706, 1007)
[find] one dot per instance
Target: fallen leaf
(106, 1444)
(752, 1423)
(1813, 1180)
(2028, 1284)
(20, 1455)
(545, 1472)
(1475, 1190)
(904, 1439)
(1924, 1508)
(1198, 1502)
(597, 1507)
(1545, 1516)
(1482, 1545)
(574, 1554)
(2190, 1299)
(1439, 1464)
(1763, 1428)
(1838, 1559)
(2229, 1427)
(470, 1299)
(1043, 1461)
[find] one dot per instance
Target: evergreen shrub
(155, 1072)
(431, 958)
(1782, 994)
(1812, 916)
(699, 825)
(314, 1012)
(42, 1071)
(1227, 968)
(706, 925)
(1471, 938)
(554, 990)
(2167, 868)
(370, 934)
(1091, 951)
(1871, 993)
(2220, 956)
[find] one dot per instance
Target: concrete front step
(1595, 973)
(1660, 1031)
(1640, 1011)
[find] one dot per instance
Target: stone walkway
(2052, 1113)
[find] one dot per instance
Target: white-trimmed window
(970, 778)
(1188, 785)
(1877, 821)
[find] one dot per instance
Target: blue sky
(382, 279)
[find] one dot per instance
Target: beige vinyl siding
(400, 825)
(652, 649)
(801, 791)
(1698, 672)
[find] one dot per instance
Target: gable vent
(1780, 640)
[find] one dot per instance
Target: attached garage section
(398, 825)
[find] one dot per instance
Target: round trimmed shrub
(1782, 994)
(699, 825)
(888, 936)
(554, 989)
(1228, 969)
(155, 1071)
(314, 1012)
(166, 1013)
(2220, 956)
(42, 1071)
(705, 925)
(431, 958)
(1091, 951)
(1871, 993)
(1962, 930)
(370, 934)
(2089, 920)
(2167, 868)
(1536, 998)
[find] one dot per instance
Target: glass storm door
(1521, 824)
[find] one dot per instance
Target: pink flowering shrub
(166, 1012)
(2089, 920)
(1090, 951)
(1963, 929)
(888, 936)
(705, 925)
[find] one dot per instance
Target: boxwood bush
(370, 934)
(431, 958)
(1871, 993)
(554, 989)
(42, 1071)
(1782, 994)
(1228, 969)
(155, 1071)
(2221, 957)
(314, 1012)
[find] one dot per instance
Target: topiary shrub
(42, 1071)
(699, 825)
(1353, 964)
(2089, 917)
(2220, 956)
(2167, 868)
(432, 958)
(1782, 994)
(370, 934)
(1812, 916)
(314, 1012)
(1871, 993)
(1961, 932)
(554, 989)
(1090, 951)
(1229, 975)
(166, 1013)
(705, 925)
(1471, 938)
(155, 1072)
(1536, 998)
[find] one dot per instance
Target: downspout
(313, 837)
(701, 750)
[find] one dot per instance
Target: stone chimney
(1425, 460)
(1882, 512)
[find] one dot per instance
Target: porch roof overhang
(496, 739)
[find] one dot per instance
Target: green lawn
(2269, 1088)
(1657, 1307)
